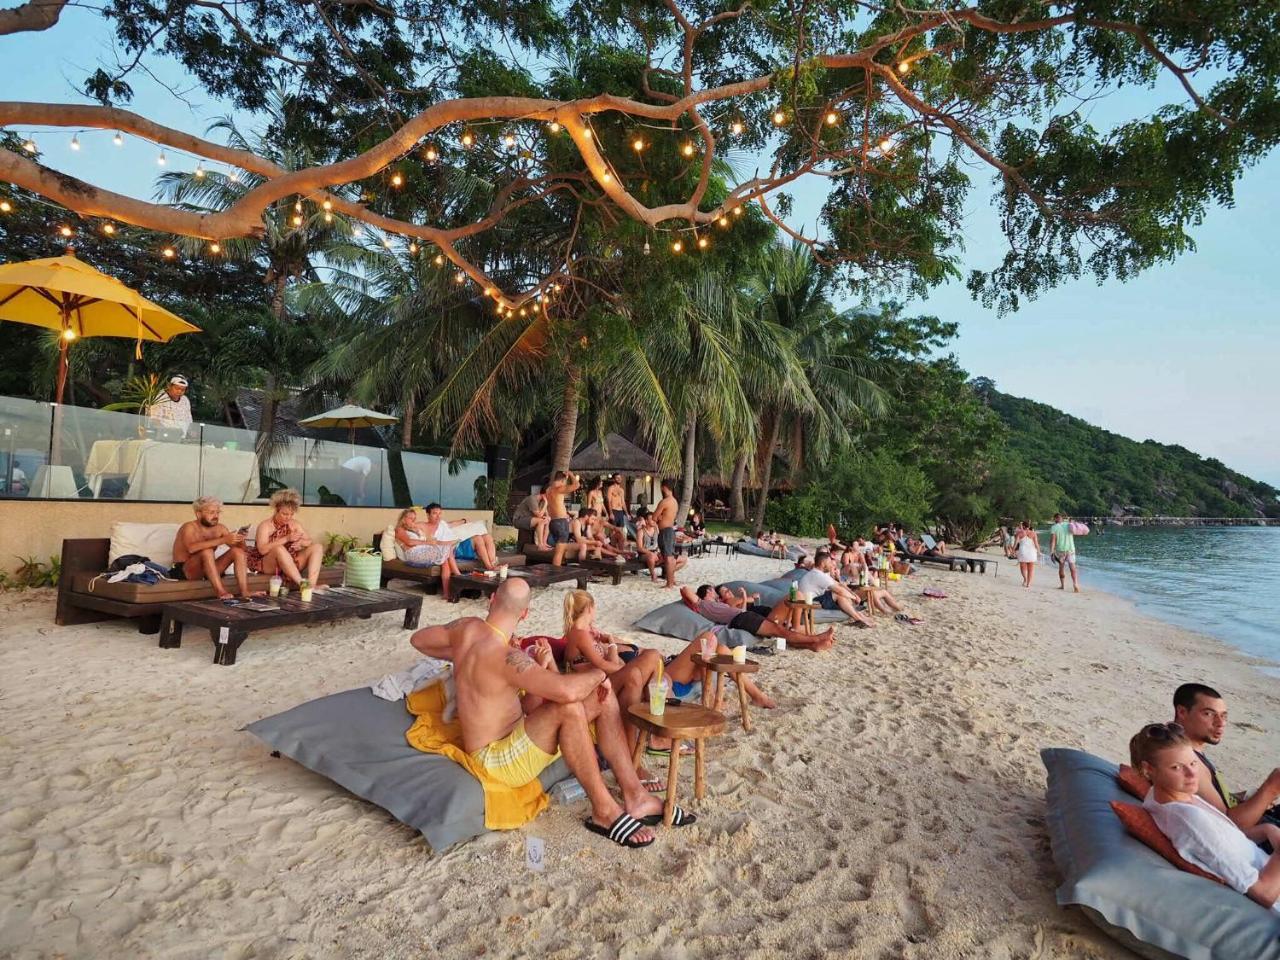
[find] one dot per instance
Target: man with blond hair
(195, 549)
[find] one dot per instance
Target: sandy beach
(892, 806)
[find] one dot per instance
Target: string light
(459, 277)
(6, 206)
(68, 334)
(553, 126)
(386, 242)
(162, 159)
(328, 204)
(75, 142)
(723, 221)
(439, 260)
(215, 247)
(357, 232)
(200, 170)
(886, 145)
(606, 176)
(703, 243)
(234, 176)
(737, 211)
(431, 154)
(524, 311)
(586, 133)
(556, 286)
(677, 247)
(65, 231)
(328, 217)
(779, 118)
(169, 253)
(468, 139)
(397, 180)
(109, 228)
(509, 140)
(687, 149)
(637, 145)
(413, 248)
(646, 247)
(297, 206)
(904, 67)
(736, 128)
(832, 118)
(297, 219)
(29, 145)
(118, 140)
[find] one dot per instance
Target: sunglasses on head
(1163, 731)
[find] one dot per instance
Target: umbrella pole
(55, 450)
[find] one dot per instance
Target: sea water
(1223, 581)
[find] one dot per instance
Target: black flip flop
(621, 830)
(678, 818)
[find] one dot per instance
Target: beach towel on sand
(505, 808)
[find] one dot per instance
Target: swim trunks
(828, 601)
(515, 759)
(749, 621)
(619, 518)
(667, 542)
(559, 531)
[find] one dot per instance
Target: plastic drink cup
(274, 585)
(780, 643)
(708, 647)
(502, 571)
(740, 653)
(658, 697)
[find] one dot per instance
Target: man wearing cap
(172, 408)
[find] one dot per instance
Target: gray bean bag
(1129, 890)
(771, 591)
(677, 620)
(357, 741)
(752, 549)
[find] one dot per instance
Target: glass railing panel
(344, 474)
(422, 472)
(24, 445)
(116, 455)
(458, 489)
(230, 468)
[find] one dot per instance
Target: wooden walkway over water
(1182, 521)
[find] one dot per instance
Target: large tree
(890, 105)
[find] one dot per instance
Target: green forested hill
(1104, 473)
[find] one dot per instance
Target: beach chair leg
(638, 754)
(699, 770)
(224, 654)
(673, 778)
(170, 633)
(742, 704)
(411, 615)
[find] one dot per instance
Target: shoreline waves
(892, 806)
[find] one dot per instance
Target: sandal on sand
(905, 618)
(621, 830)
(653, 785)
(664, 753)
(678, 819)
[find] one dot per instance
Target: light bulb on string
(556, 286)
(553, 126)
(328, 217)
(397, 180)
(586, 133)
(647, 248)
(118, 139)
(109, 228)
(65, 231)
(297, 219)
(297, 206)
(779, 117)
(162, 159)
(606, 176)
(736, 128)
(832, 118)
(200, 170)
(215, 247)
(703, 243)
(737, 211)
(468, 139)
(327, 204)
(904, 67)
(439, 260)
(234, 176)
(29, 145)
(687, 149)
(723, 221)
(509, 141)
(637, 144)
(886, 145)
(459, 277)
(75, 141)
(413, 249)
(677, 246)
(431, 155)
(6, 206)
(68, 334)
(169, 253)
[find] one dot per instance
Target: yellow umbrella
(66, 294)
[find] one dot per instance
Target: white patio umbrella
(350, 417)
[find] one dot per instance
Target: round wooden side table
(680, 721)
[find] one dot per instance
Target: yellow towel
(505, 808)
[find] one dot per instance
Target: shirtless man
(665, 517)
(615, 500)
(1203, 715)
(196, 542)
(518, 715)
(560, 534)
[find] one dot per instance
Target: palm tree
(790, 289)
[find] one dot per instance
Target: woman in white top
(1027, 550)
(1202, 835)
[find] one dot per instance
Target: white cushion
(151, 540)
(389, 537)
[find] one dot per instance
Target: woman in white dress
(1027, 550)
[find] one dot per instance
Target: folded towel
(505, 808)
(398, 685)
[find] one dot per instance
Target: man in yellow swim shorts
(518, 714)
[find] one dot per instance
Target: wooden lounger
(429, 577)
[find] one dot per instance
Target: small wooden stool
(684, 721)
(800, 615)
(717, 667)
(866, 594)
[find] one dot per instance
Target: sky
(1185, 353)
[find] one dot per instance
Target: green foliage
(33, 573)
(494, 495)
(137, 394)
(336, 546)
(1104, 474)
(854, 491)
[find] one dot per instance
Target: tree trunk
(267, 415)
(406, 424)
(566, 421)
(690, 469)
(735, 489)
(766, 475)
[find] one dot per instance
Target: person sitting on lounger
(694, 526)
(482, 543)
(196, 543)
(1199, 831)
(740, 613)
(518, 714)
(531, 514)
(282, 546)
(824, 589)
(770, 541)
(1202, 713)
(422, 548)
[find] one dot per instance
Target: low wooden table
(730, 547)
(611, 568)
(800, 615)
(536, 575)
(229, 626)
(681, 721)
(720, 666)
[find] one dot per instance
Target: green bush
(494, 495)
(855, 492)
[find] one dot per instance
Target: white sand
(892, 807)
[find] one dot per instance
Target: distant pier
(1183, 521)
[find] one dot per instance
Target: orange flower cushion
(1132, 781)
(1140, 824)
